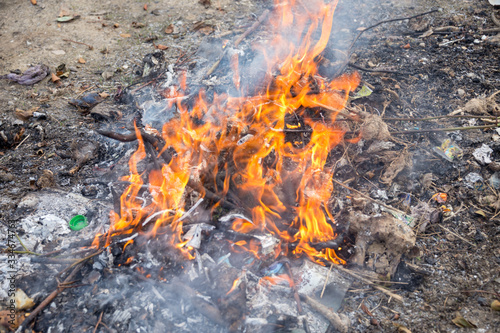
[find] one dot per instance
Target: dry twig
(49, 299)
(370, 283)
(334, 319)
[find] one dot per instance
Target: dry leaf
(365, 309)
(81, 60)
(145, 7)
(427, 33)
(23, 301)
(25, 115)
(138, 25)
(55, 78)
(104, 94)
(160, 46)
(462, 322)
(33, 2)
(126, 35)
(397, 165)
(401, 328)
(19, 135)
(8, 322)
(169, 29)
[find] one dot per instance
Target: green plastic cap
(78, 223)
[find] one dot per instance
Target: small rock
(58, 52)
(6, 177)
(107, 75)
(460, 92)
(482, 301)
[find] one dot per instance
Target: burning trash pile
(228, 206)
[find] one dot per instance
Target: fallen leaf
(407, 46)
(138, 25)
(55, 78)
(401, 328)
(126, 35)
(480, 212)
(462, 322)
(104, 94)
(33, 2)
(25, 114)
(160, 46)
(427, 33)
(145, 7)
(68, 18)
(495, 305)
(19, 135)
(169, 29)
(23, 301)
(81, 60)
(365, 309)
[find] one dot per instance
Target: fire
(269, 149)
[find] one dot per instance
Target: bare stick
(346, 62)
(73, 41)
(456, 235)
(166, 157)
(334, 319)
(440, 117)
(450, 129)
(368, 197)
(26, 138)
(48, 300)
(254, 26)
(98, 322)
(388, 21)
(370, 283)
(374, 70)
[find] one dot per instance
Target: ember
(240, 148)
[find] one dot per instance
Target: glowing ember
(247, 140)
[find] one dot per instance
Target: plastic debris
(483, 154)
(78, 222)
(406, 219)
(449, 150)
(474, 180)
(495, 181)
(31, 76)
(88, 101)
(363, 92)
(440, 197)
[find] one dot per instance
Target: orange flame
(284, 183)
